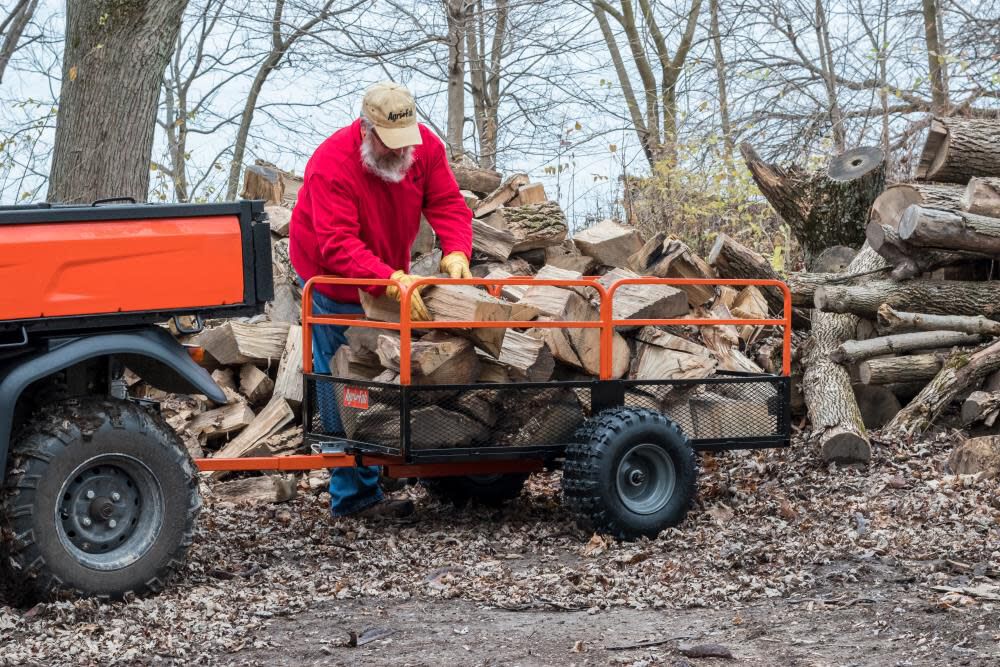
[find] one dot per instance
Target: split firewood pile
(905, 327)
(518, 231)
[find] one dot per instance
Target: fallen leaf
(578, 647)
(598, 544)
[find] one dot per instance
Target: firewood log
(664, 257)
(910, 368)
(950, 230)
(609, 243)
(959, 372)
(982, 196)
(958, 148)
(940, 297)
(892, 320)
(889, 206)
(853, 351)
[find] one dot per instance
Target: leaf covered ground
(898, 563)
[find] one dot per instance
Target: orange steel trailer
(404, 451)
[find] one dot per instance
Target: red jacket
(349, 222)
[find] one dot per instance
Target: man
(357, 214)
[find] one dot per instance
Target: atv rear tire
(490, 490)
(630, 473)
(100, 500)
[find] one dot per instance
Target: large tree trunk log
(853, 351)
(890, 320)
(112, 70)
(957, 230)
(909, 261)
(821, 210)
(829, 395)
(889, 206)
(959, 148)
(804, 284)
(961, 371)
(982, 196)
(911, 368)
(939, 297)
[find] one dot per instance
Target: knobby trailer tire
(630, 473)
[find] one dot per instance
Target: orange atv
(99, 495)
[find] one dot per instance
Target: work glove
(456, 265)
(418, 311)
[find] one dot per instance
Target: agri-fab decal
(355, 398)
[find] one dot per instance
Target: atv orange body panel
(120, 266)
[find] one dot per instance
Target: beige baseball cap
(390, 108)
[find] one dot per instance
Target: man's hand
(456, 265)
(418, 311)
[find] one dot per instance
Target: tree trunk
(912, 368)
(909, 261)
(853, 351)
(457, 16)
(803, 284)
(952, 230)
(822, 209)
(961, 371)
(939, 297)
(896, 320)
(935, 58)
(12, 28)
(833, 410)
(113, 66)
(982, 196)
(960, 148)
(728, 145)
(889, 206)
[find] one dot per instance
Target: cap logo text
(397, 115)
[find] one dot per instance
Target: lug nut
(90, 495)
(116, 496)
(86, 522)
(112, 523)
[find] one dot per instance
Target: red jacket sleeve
(444, 206)
(338, 232)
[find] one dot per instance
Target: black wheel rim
(645, 479)
(109, 512)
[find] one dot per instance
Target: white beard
(389, 167)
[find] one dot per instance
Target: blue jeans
(351, 489)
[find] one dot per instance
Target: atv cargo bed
(73, 267)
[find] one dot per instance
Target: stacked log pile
(518, 231)
(909, 325)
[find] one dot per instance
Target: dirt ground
(782, 561)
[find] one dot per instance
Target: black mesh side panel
(717, 409)
(495, 416)
(368, 412)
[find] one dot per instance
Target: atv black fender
(151, 352)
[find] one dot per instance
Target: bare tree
(113, 66)
(12, 28)
(656, 144)
(283, 36)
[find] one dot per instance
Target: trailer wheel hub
(109, 512)
(645, 479)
